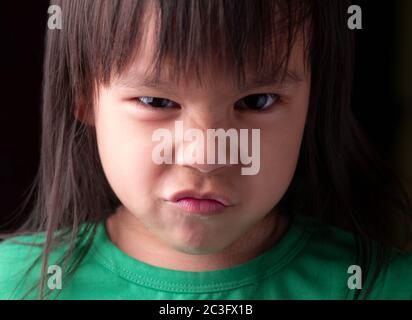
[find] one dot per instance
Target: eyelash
(275, 97)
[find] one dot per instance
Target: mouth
(200, 203)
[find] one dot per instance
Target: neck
(135, 240)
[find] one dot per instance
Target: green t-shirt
(311, 261)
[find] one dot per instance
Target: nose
(205, 149)
(203, 154)
(206, 168)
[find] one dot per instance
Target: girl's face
(124, 134)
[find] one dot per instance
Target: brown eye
(258, 102)
(155, 103)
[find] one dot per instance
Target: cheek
(278, 163)
(125, 152)
(280, 148)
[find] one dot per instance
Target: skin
(147, 227)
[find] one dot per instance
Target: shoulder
(17, 255)
(395, 281)
(19, 251)
(328, 242)
(335, 251)
(21, 259)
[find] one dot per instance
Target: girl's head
(204, 96)
(209, 61)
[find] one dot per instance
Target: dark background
(376, 100)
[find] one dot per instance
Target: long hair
(339, 178)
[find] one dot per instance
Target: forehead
(276, 65)
(140, 74)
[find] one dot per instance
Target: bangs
(235, 37)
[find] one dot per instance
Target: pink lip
(195, 202)
(200, 206)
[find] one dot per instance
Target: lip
(202, 196)
(205, 204)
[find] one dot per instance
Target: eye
(155, 103)
(258, 102)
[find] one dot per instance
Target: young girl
(323, 218)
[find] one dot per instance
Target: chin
(195, 249)
(199, 252)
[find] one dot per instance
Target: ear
(82, 115)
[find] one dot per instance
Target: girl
(322, 219)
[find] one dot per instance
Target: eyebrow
(135, 79)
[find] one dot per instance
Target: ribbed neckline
(141, 273)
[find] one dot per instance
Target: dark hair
(339, 178)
